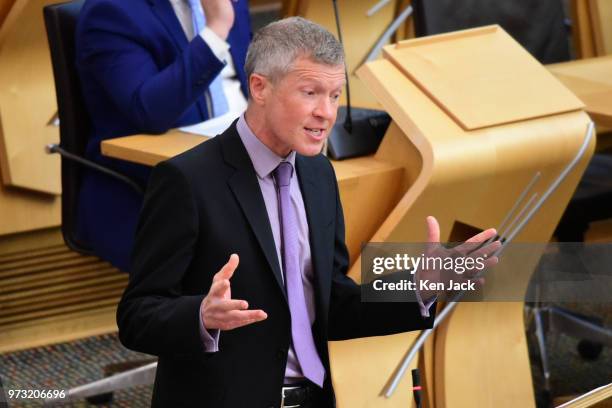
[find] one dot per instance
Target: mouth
(316, 133)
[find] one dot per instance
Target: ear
(259, 88)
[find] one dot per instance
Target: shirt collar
(264, 160)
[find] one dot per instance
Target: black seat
(539, 26)
(60, 21)
(591, 201)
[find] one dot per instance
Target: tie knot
(283, 173)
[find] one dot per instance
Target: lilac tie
(301, 331)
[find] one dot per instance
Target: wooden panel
(472, 177)
(359, 33)
(582, 29)
(56, 329)
(49, 293)
(24, 210)
(367, 198)
(481, 77)
(27, 101)
(600, 397)
(591, 81)
(348, 366)
(601, 19)
(150, 150)
(5, 7)
(357, 178)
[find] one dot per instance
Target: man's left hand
(471, 248)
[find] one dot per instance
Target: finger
(231, 304)
(242, 318)
(218, 288)
(486, 264)
(472, 243)
(483, 236)
(492, 261)
(487, 250)
(227, 271)
(241, 315)
(433, 234)
(433, 230)
(241, 324)
(479, 282)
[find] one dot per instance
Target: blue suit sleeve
(113, 49)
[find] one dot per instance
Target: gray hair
(276, 46)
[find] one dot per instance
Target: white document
(214, 126)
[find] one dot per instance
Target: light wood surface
(468, 178)
(21, 43)
(22, 210)
(365, 177)
(601, 19)
(483, 89)
(359, 34)
(50, 294)
(591, 81)
(582, 29)
(594, 398)
(5, 7)
(591, 27)
(27, 101)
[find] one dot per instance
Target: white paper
(214, 126)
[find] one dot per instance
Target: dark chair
(591, 201)
(539, 26)
(60, 21)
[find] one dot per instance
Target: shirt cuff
(210, 339)
(424, 307)
(218, 46)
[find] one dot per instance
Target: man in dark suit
(253, 331)
(147, 66)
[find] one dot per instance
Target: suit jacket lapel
(245, 187)
(318, 222)
(164, 11)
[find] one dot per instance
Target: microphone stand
(357, 131)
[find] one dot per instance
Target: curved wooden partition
(467, 169)
(27, 104)
(27, 101)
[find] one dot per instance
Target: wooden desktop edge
(152, 149)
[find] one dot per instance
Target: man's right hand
(219, 16)
(219, 310)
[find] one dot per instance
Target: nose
(326, 110)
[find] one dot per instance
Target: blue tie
(219, 102)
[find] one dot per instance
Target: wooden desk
(382, 183)
(591, 80)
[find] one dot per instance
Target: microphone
(357, 131)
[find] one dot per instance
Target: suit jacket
(139, 74)
(200, 207)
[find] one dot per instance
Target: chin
(311, 149)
